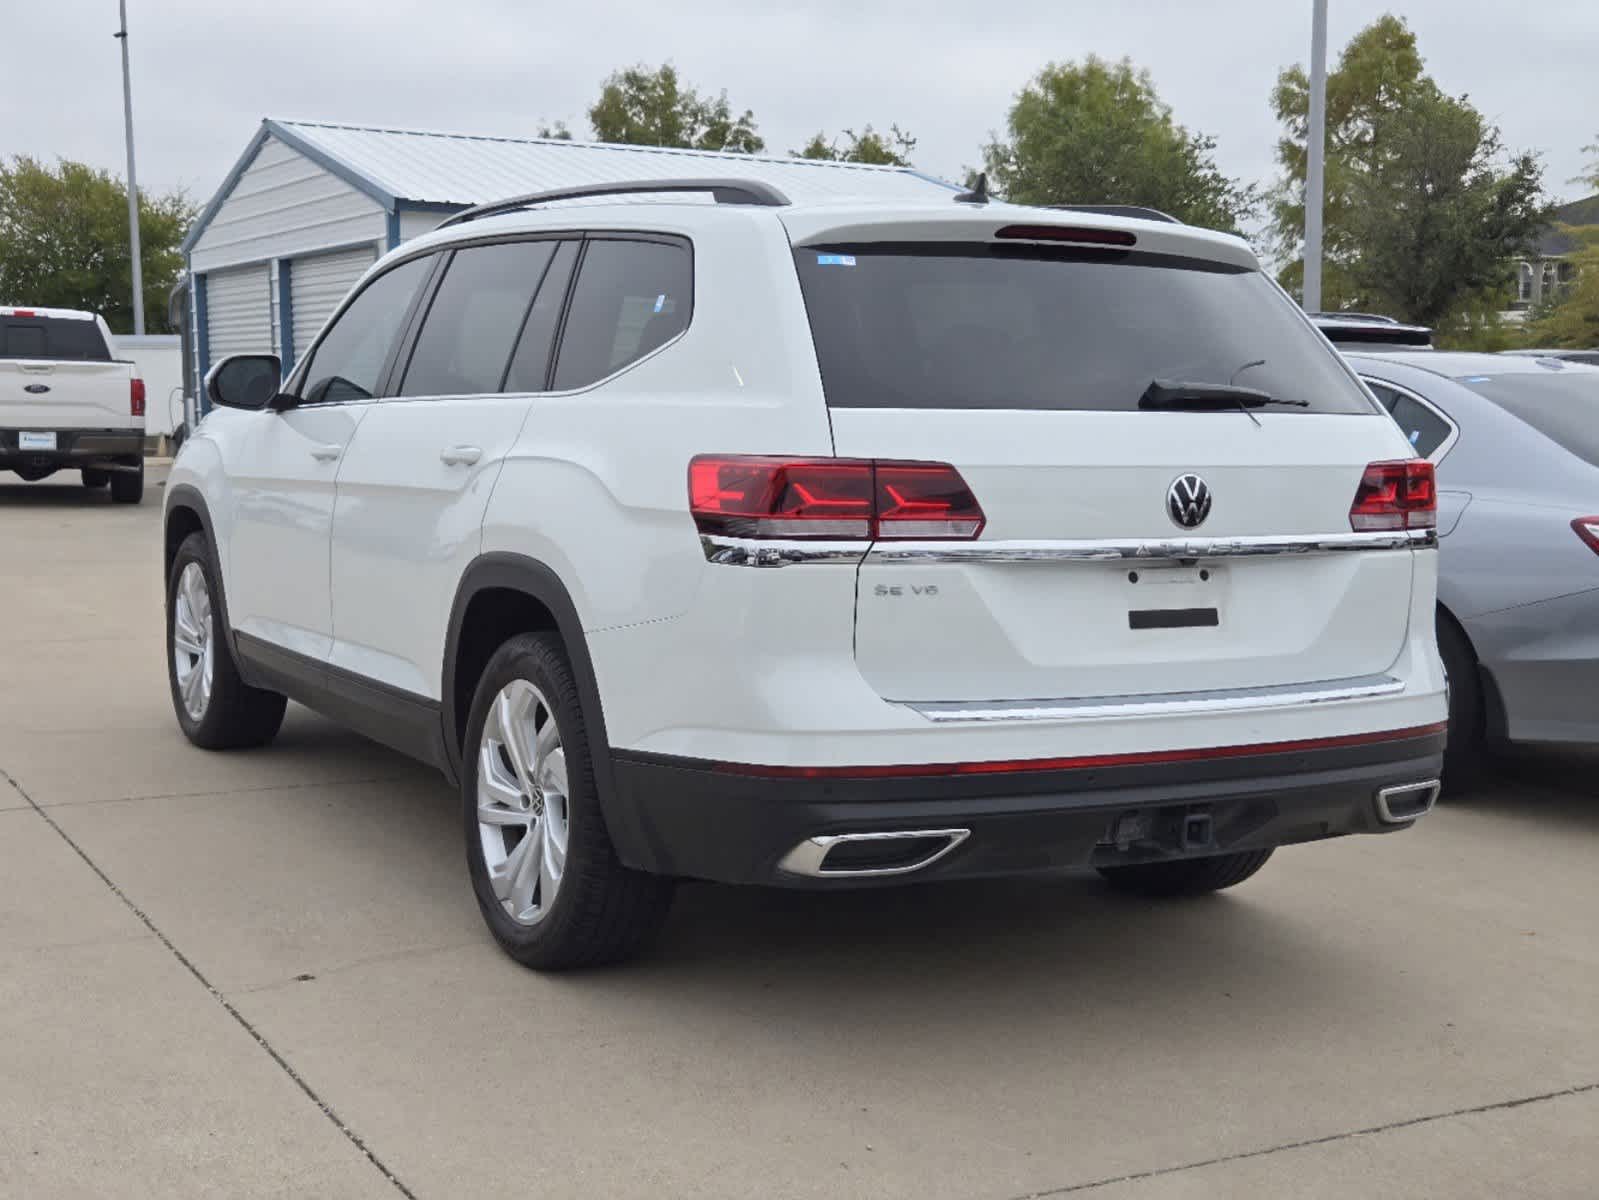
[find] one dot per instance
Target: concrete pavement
(263, 974)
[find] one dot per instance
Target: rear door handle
(460, 456)
(324, 453)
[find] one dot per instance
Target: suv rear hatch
(1023, 363)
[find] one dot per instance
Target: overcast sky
(206, 71)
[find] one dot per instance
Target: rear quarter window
(980, 326)
(630, 298)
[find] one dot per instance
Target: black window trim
(390, 375)
(619, 235)
(1441, 451)
(302, 368)
(394, 373)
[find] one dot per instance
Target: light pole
(133, 183)
(1316, 144)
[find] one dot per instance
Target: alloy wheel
(193, 641)
(522, 807)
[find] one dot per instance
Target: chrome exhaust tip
(862, 855)
(1404, 802)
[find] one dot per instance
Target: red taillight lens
(837, 498)
(136, 397)
(1396, 495)
(1587, 529)
(925, 500)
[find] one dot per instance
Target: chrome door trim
(756, 552)
(1163, 704)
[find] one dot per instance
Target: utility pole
(133, 183)
(1315, 167)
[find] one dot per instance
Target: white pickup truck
(66, 403)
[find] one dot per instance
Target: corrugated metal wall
(317, 283)
(238, 307)
(282, 205)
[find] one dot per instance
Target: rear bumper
(689, 818)
(73, 447)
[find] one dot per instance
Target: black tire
(1186, 876)
(603, 912)
(94, 477)
(127, 487)
(237, 715)
(1463, 759)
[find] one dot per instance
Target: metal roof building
(309, 206)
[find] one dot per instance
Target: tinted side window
(1424, 429)
(630, 298)
(473, 319)
(347, 362)
(530, 364)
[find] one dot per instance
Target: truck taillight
(1587, 529)
(1396, 495)
(136, 397)
(840, 499)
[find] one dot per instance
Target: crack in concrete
(1135, 1176)
(260, 1039)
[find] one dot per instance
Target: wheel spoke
(522, 870)
(191, 688)
(499, 800)
(553, 865)
(509, 724)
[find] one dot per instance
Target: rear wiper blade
(1208, 397)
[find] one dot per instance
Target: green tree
(641, 107)
(1424, 212)
(1440, 220)
(1378, 72)
(64, 241)
(1098, 133)
(887, 149)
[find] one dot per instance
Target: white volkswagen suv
(820, 545)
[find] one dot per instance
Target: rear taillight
(1588, 530)
(136, 397)
(836, 498)
(1396, 495)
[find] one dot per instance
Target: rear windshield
(52, 337)
(1563, 405)
(1003, 327)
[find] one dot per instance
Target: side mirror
(248, 381)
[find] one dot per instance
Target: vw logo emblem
(1188, 501)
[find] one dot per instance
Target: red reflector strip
(1587, 528)
(1018, 766)
(1082, 235)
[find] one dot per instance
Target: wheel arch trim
(507, 571)
(185, 496)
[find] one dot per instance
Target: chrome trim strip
(1145, 550)
(757, 552)
(1163, 704)
(1431, 788)
(760, 552)
(807, 857)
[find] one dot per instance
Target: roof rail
(724, 191)
(1120, 210)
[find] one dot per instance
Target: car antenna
(979, 192)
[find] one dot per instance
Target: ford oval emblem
(37, 389)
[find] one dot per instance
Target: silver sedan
(1516, 443)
